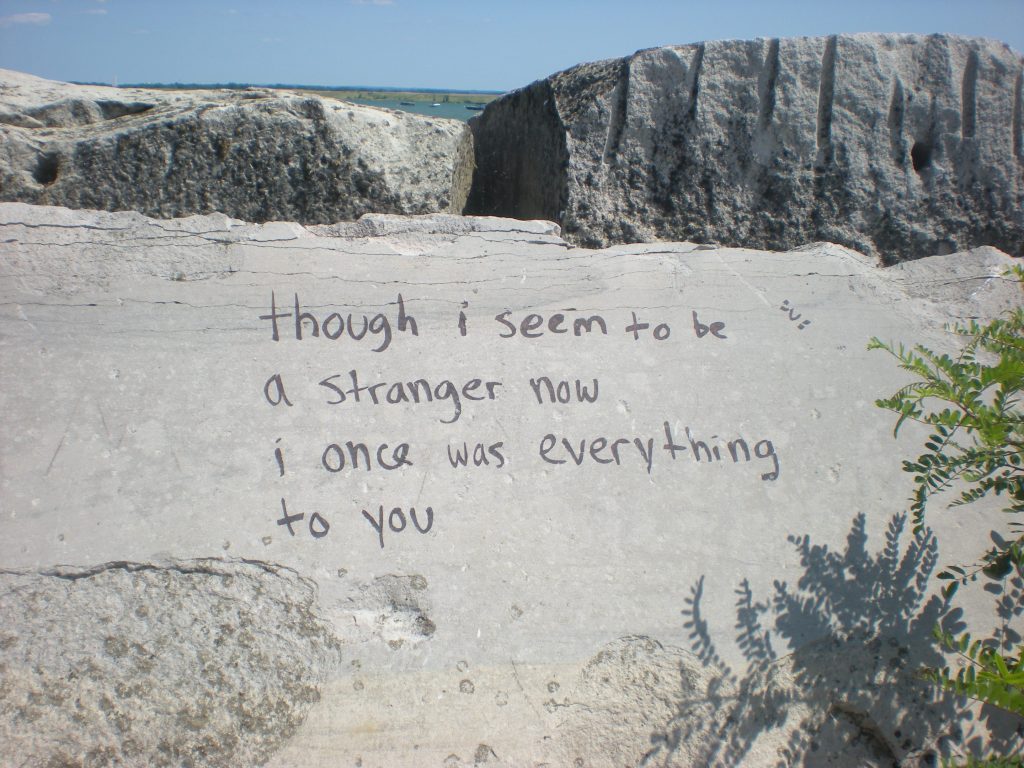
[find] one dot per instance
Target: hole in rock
(46, 169)
(921, 155)
(111, 110)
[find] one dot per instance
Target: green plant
(978, 436)
(992, 762)
(972, 406)
(986, 674)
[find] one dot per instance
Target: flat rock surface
(390, 543)
(258, 154)
(899, 146)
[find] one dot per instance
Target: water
(451, 110)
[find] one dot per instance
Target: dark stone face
(255, 156)
(875, 142)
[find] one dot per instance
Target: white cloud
(25, 18)
(96, 11)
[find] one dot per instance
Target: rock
(896, 145)
(630, 690)
(205, 662)
(255, 154)
(832, 703)
(850, 693)
(165, 404)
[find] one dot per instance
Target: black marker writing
(481, 455)
(334, 325)
(531, 325)
(397, 521)
(561, 392)
(715, 329)
(273, 390)
(280, 458)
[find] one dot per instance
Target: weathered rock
(858, 702)
(156, 412)
(260, 155)
(898, 145)
(204, 662)
(850, 694)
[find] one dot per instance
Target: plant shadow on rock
(851, 694)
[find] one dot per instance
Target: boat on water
(474, 107)
(407, 103)
(436, 104)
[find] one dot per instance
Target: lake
(452, 111)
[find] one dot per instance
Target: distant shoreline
(346, 92)
(443, 97)
(431, 102)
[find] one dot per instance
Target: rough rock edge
(370, 225)
(976, 277)
(569, 147)
(258, 153)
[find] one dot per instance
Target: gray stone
(841, 703)
(557, 606)
(850, 693)
(204, 662)
(255, 154)
(901, 146)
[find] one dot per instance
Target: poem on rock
(444, 402)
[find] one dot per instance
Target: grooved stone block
(900, 146)
(450, 491)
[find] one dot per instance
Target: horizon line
(292, 86)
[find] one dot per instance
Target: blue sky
(425, 43)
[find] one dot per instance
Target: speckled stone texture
(200, 662)
(256, 154)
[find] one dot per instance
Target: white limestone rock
(901, 146)
(256, 154)
(834, 702)
(559, 606)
